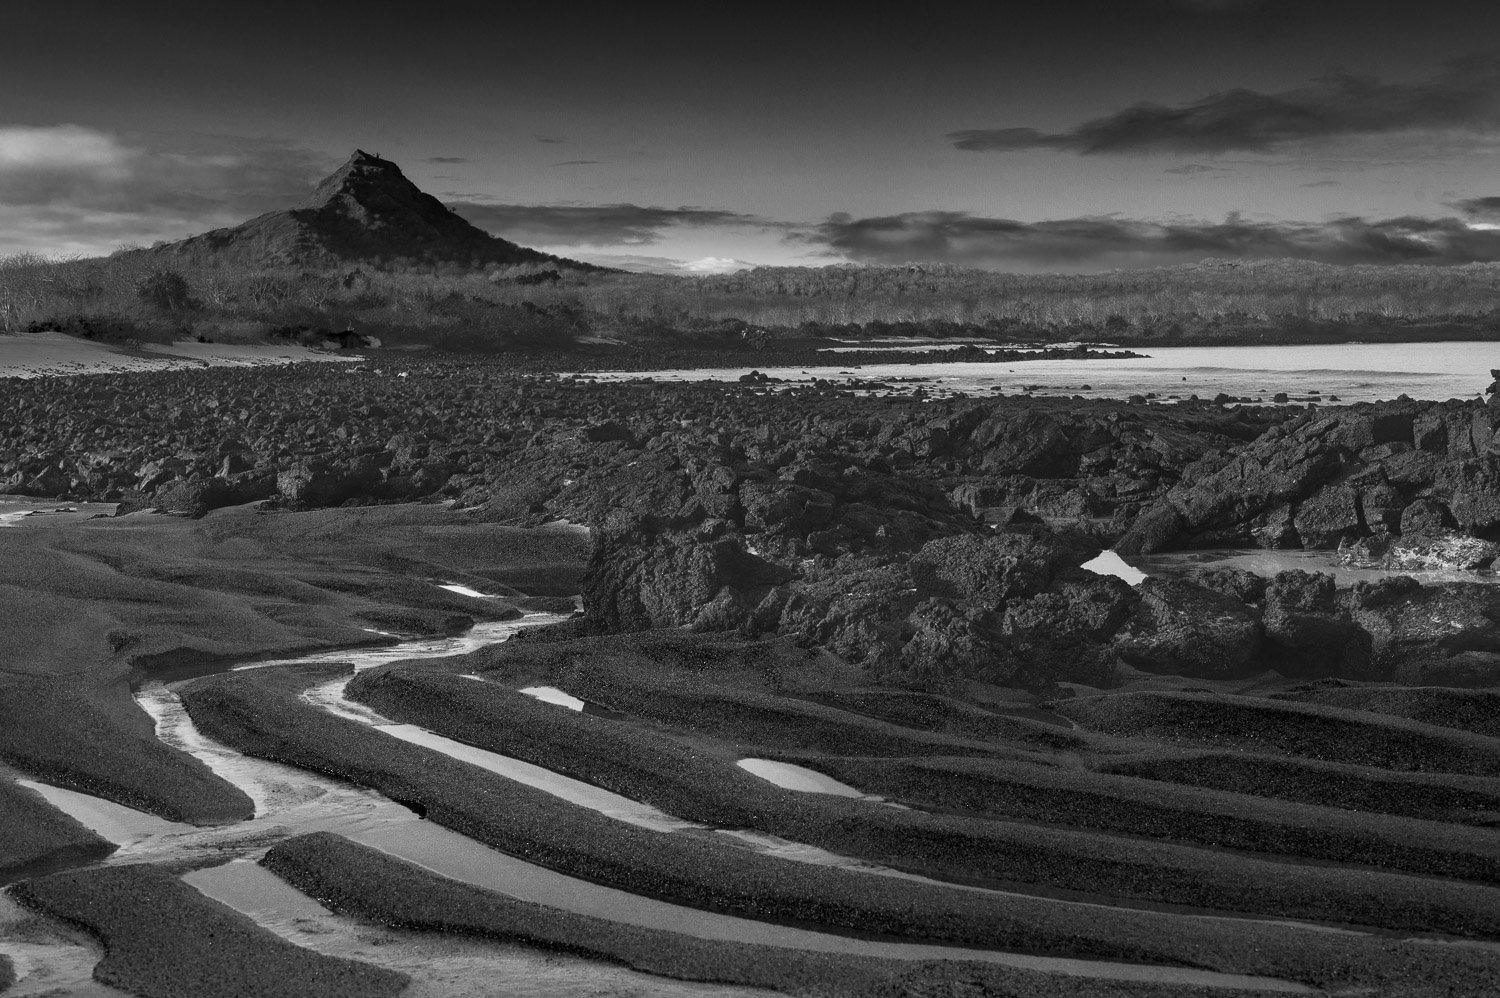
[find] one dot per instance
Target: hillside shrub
(166, 291)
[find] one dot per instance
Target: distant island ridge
(370, 253)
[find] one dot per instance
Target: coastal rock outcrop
(992, 569)
(642, 576)
(1189, 630)
(1444, 635)
(1332, 478)
(1308, 633)
(925, 540)
(883, 571)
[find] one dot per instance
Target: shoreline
(886, 591)
(1292, 374)
(59, 355)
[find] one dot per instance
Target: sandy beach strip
(33, 355)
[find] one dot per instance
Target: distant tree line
(530, 305)
(1201, 301)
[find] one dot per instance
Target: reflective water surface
(1355, 372)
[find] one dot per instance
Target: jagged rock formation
(927, 543)
(1408, 469)
(365, 211)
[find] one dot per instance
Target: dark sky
(1024, 136)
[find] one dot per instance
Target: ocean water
(1355, 372)
(1183, 564)
(17, 509)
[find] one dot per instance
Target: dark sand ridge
(700, 782)
(36, 837)
(258, 711)
(681, 683)
(49, 955)
(711, 791)
(343, 881)
(355, 879)
(459, 854)
(1290, 728)
(671, 949)
(697, 931)
(766, 693)
(441, 964)
(1227, 813)
(1002, 720)
(519, 654)
(89, 608)
(1433, 796)
(359, 880)
(192, 945)
(1469, 710)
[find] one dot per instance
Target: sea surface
(1354, 372)
(1184, 564)
(15, 509)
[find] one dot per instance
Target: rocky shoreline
(925, 542)
(889, 590)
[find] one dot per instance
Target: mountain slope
(366, 211)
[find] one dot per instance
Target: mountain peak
(365, 211)
(364, 176)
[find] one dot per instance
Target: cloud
(73, 189)
(664, 265)
(593, 225)
(1464, 97)
(1485, 209)
(634, 262)
(445, 159)
(1100, 243)
(68, 233)
(58, 147)
(1188, 169)
(577, 162)
(715, 265)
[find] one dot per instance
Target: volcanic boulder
(1188, 630)
(1444, 635)
(646, 575)
(1308, 634)
(990, 570)
(1332, 478)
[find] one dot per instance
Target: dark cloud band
(1465, 96)
(1483, 209)
(592, 225)
(1101, 243)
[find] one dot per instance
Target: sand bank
(32, 355)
